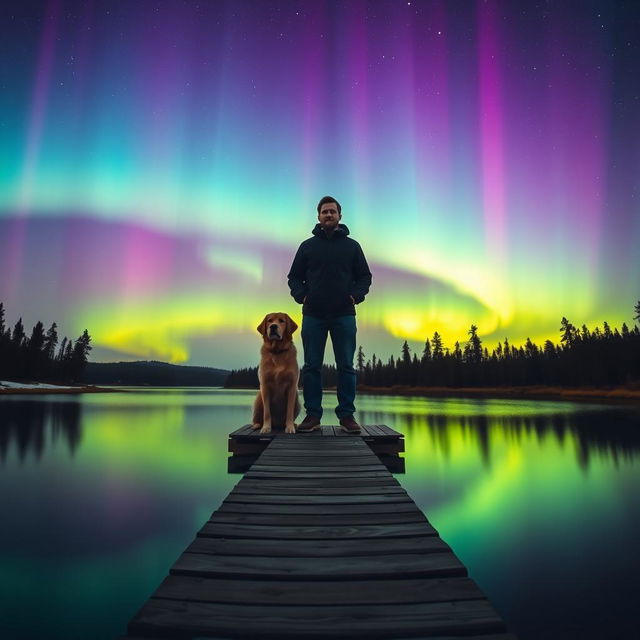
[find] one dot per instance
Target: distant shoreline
(35, 391)
(537, 392)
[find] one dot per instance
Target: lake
(100, 493)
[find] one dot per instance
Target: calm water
(99, 494)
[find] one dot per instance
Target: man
(329, 276)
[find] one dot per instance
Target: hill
(153, 373)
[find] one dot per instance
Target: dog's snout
(273, 328)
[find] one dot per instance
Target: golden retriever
(277, 401)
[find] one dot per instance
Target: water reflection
(33, 426)
(523, 491)
(612, 433)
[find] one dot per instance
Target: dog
(277, 402)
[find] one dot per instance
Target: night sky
(160, 162)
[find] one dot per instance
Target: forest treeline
(599, 357)
(41, 356)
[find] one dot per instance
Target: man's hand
(352, 300)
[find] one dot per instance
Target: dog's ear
(262, 327)
(291, 325)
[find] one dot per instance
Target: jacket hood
(341, 230)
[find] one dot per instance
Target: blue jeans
(314, 338)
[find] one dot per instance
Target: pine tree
(4, 345)
(80, 354)
(530, 349)
(436, 344)
(406, 354)
(62, 350)
(549, 349)
(36, 341)
(415, 370)
(625, 331)
(360, 359)
(19, 336)
(35, 357)
(426, 352)
(50, 342)
(473, 348)
(637, 310)
(567, 332)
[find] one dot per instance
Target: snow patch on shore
(34, 385)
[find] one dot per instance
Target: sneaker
(349, 425)
(310, 423)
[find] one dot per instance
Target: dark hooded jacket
(327, 270)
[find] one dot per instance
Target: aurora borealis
(160, 162)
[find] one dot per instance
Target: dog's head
(277, 326)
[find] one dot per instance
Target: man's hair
(329, 199)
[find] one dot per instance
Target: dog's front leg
(266, 407)
(256, 421)
(290, 427)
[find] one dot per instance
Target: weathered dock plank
(318, 540)
(267, 497)
(316, 520)
(381, 439)
(421, 619)
(319, 508)
(326, 592)
(323, 532)
(317, 548)
(292, 568)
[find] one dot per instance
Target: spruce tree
(4, 344)
(36, 341)
(79, 355)
(18, 337)
(62, 350)
(585, 334)
(625, 331)
(406, 354)
(473, 348)
(436, 344)
(35, 357)
(567, 332)
(549, 349)
(51, 341)
(426, 352)
(530, 349)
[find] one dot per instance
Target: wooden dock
(381, 439)
(246, 444)
(318, 540)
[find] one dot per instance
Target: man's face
(329, 216)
